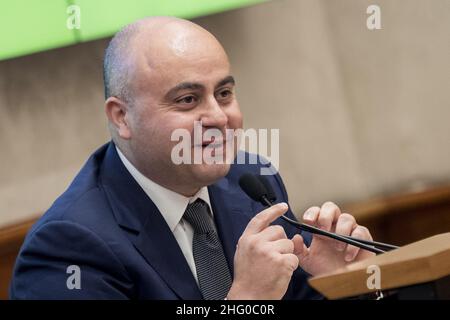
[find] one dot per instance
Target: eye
(224, 94)
(187, 100)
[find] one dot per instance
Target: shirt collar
(171, 204)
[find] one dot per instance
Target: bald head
(155, 39)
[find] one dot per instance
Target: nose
(214, 115)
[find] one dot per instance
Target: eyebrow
(197, 86)
(226, 80)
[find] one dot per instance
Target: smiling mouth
(211, 144)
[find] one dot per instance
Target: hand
(264, 259)
(325, 254)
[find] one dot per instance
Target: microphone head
(252, 186)
(270, 194)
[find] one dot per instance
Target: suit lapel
(149, 232)
(160, 248)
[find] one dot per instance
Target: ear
(117, 112)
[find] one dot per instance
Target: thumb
(300, 248)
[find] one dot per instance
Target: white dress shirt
(172, 206)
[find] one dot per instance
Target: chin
(209, 174)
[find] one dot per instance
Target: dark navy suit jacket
(105, 224)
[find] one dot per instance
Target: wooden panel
(404, 218)
(11, 238)
(420, 262)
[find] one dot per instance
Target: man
(135, 225)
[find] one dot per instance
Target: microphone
(271, 195)
(253, 187)
(259, 189)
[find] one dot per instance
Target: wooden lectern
(420, 270)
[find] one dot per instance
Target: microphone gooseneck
(259, 189)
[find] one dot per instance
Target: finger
(265, 217)
(300, 248)
(359, 232)
(329, 213)
(345, 225)
(282, 246)
(272, 233)
(310, 215)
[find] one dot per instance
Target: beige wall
(361, 113)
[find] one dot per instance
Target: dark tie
(212, 269)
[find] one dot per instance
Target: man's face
(173, 89)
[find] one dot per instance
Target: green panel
(28, 26)
(102, 18)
